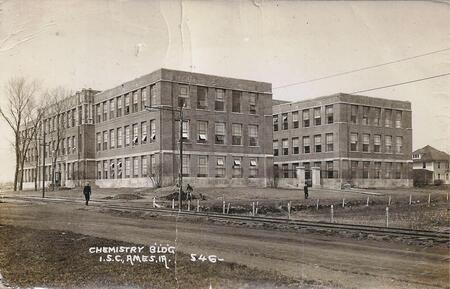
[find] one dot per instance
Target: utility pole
(44, 148)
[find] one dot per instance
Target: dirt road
(350, 263)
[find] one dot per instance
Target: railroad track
(376, 230)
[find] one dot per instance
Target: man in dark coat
(87, 192)
(305, 190)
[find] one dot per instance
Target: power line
(402, 83)
(361, 69)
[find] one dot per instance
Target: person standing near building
(87, 193)
(305, 190)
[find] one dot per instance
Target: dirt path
(351, 263)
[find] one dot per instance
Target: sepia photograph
(224, 144)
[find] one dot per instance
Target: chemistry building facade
(128, 136)
(343, 139)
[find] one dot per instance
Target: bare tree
(20, 93)
(155, 174)
(58, 105)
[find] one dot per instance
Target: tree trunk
(16, 172)
(22, 164)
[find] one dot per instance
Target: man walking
(87, 192)
(305, 190)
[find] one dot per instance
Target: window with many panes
(152, 130)
(295, 119)
(353, 142)
(127, 136)
(354, 169)
(252, 135)
(127, 167)
(186, 166)
(305, 118)
(112, 139)
(202, 131)
(398, 170)
(398, 118)
(366, 142)
(153, 95)
(135, 101)
(202, 102)
(252, 101)
(143, 98)
(135, 134)
(112, 169)
(377, 143)
(219, 104)
(202, 166)
(99, 113)
(127, 104)
(99, 170)
(275, 122)
(185, 128)
(306, 145)
(285, 144)
(317, 116)
(329, 114)
(318, 143)
(388, 170)
(144, 132)
(253, 168)
(365, 117)
(236, 101)
(388, 143)
(377, 170)
(99, 141)
(275, 148)
(144, 166)
(119, 106)
(183, 96)
(295, 146)
(135, 167)
(119, 168)
(236, 134)
(366, 166)
(330, 169)
(353, 113)
(112, 108)
(219, 137)
(284, 119)
(387, 117)
(376, 116)
(220, 167)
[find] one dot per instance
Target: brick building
(342, 138)
(227, 133)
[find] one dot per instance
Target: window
(144, 132)
(99, 114)
(399, 145)
(253, 135)
(135, 167)
(135, 101)
(366, 166)
(112, 171)
(329, 141)
(275, 123)
(219, 104)
(73, 117)
(438, 165)
(202, 97)
(354, 169)
(220, 133)
(329, 113)
(143, 98)
(295, 146)
(127, 168)
(135, 134)
(388, 143)
(317, 118)
(99, 170)
(295, 119)
(127, 136)
(424, 165)
(388, 170)
(253, 168)
(365, 118)
(105, 140)
(353, 113)
(220, 167)
(183, 97)
(376, 116)
(119, 168)
(306, 118)
(330, 169)
(398, 118)
(236, 101)
(144, 166)
(127, 104)
(202, 131)
(236, 134)
(252, 101)
(387, 118)
(377, 143)
(105, 169)
(202, 166)
(275, 148)
(105, 111)
(318, 143)
(377, 170)
(112, 109)
(285, 144)
(63, 149)
(119, 137)
(237, 167)
(285, 124)
(185, 129)
(152, 130)
(186, 166)
(99, 142)
(306, 144)
(153, 165)
(285, 169)
(119, 106)
(307, 170)
(366, 142)
(398, 170)
(353, 142)
(153, 95)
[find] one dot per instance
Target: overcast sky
(100, 44)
